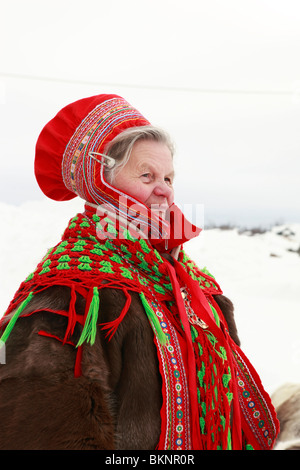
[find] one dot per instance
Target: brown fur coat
(116, 402)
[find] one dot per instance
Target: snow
(259, 273)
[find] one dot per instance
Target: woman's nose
(163, 189)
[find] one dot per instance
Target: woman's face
(148, 175)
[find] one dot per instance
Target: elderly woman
(117, 340)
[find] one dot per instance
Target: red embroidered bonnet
(63, 168)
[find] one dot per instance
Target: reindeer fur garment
(116, 402)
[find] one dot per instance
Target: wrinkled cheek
(141, 194)
(134, 189)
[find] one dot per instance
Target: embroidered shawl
(212, 396)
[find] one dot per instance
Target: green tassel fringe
(215, 314)
(90, 327)
(161, 336)
(14, 318)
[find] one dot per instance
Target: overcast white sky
(222, 76)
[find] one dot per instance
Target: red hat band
(80, 172)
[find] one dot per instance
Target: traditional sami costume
(212, 396)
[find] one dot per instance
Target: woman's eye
(149, 177)
(169, 181)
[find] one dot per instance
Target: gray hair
(121, 146)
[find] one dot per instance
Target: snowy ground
(257, 272)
